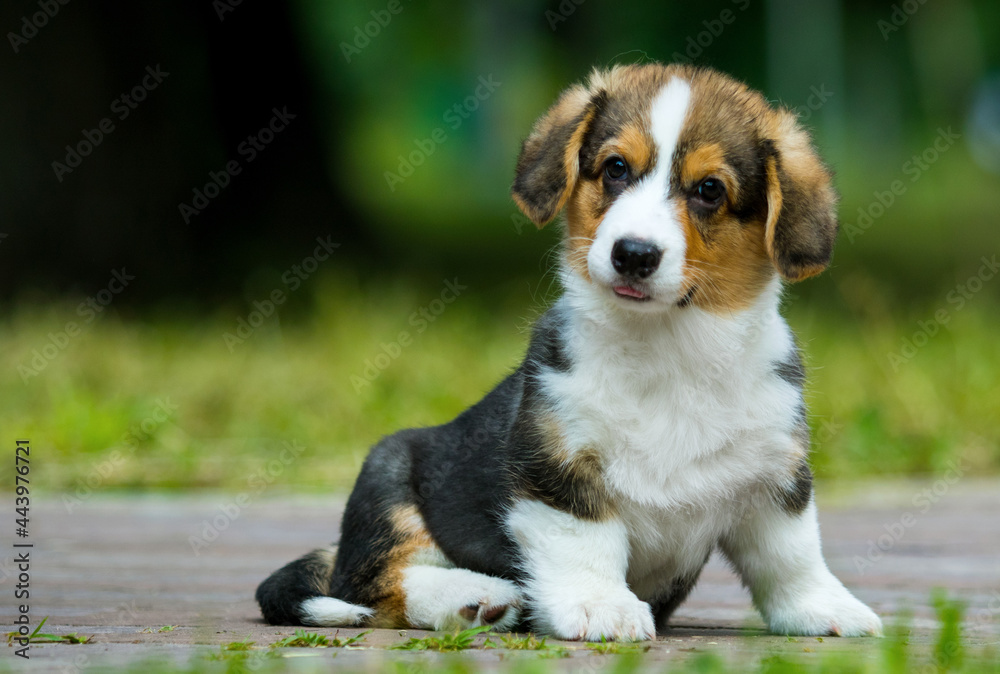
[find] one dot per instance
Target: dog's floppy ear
(549, 164)
(802, 204)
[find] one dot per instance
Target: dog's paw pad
(490, 615)
(483, 613)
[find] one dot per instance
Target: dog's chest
(677, 425)
(684, 444)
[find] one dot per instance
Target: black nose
(636, 258)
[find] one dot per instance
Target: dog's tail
(298, 594)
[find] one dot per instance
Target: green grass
(161, 402)
(529, 642)
(239, 646)
(948, 652)
(39, 637)
(445, 643)
(303, 639)
(605, 647)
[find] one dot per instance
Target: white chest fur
(686, 414)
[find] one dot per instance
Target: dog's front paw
(831, 611)
(619, 616)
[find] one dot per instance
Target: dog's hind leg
(421, 588)
(440, 598)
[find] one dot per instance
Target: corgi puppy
(658, 414)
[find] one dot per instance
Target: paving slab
(120, 568)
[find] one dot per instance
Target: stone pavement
(121, 567)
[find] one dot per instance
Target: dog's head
(681, 186)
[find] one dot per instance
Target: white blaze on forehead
(643, 211)
(666, 117)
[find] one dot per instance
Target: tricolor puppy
(658, 414)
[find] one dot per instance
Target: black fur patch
(752, 203)
(665, 605)
(547, 347)
(795, 499)
(791, 370)
(457, 477)
(607, 124)
(686, 300)
(284, 590)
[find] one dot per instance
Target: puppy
(658, 414)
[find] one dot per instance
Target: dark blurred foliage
(119, 207)
(369, 83)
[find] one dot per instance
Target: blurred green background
(407, 121)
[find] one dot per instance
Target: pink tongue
(629, 292)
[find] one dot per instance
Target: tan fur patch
(709, 161)
(636, 147)
(729, 271)
(774, 201)
(583, 217)
(572, 157)
(390, 609)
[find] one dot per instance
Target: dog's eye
(615, 168)
(711, 191)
